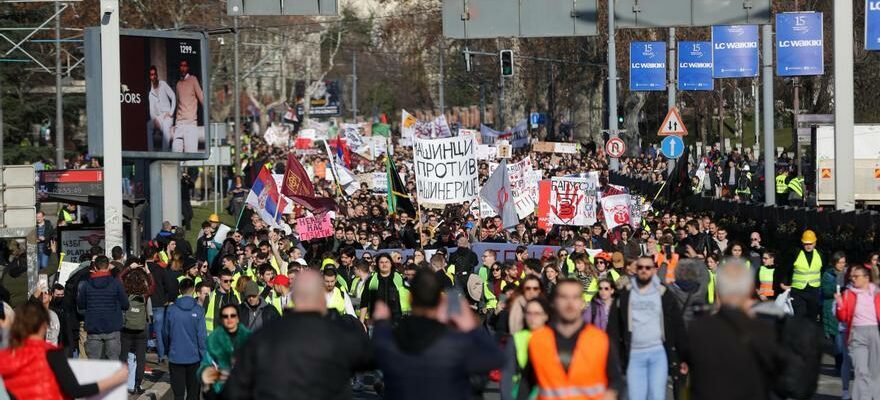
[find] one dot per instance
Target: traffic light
(506, 57)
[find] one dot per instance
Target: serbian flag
(297, 186)
(342, 152)
(266, 200)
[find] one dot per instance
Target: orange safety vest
(586, 378)
(660, 258)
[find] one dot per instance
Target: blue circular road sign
(672, 146)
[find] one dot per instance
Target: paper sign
(573, 201)
(616, 210)
(315, 227)
(91, 371)
(446, 170)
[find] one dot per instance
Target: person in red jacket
(859, 309)
(29, 360)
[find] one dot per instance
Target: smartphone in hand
(453, 301)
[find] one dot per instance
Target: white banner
(635, 210)
(446, 169)
(486, 152)
(377, 181)
(407, 128)
(616, 210)
(522, 184)
(573, 201)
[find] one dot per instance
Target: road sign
(666, 13)
(799, 42)
(647, 66)
(672, 146)
(695, 66)
(826, 173)
(872, 25)
(735, 51)
(18, 197)
(485, 19)
(615, 147)
(672, 124)
(275, 7)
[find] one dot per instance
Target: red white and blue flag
(266, 199)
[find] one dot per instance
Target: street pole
(769, 135)
(59, 115)
(844, 119)
(721, 116)
(756, 95)
(354, 86)
(442, 81)
(237, 99)
(482, 102)
(112, 122)
(2, 136)
(672, 63)
(796, 102)
(614, 163)
(501, 105)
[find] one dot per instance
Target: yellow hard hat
(214, 218)
(809, 237)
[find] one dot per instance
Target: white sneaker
(845, 395)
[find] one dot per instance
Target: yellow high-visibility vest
(806, 274)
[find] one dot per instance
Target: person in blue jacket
(185, 335)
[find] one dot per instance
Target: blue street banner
(647, 66)
(872, 25)
(735, 51)
(799, 49)
(695, 66)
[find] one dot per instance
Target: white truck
(867, 163)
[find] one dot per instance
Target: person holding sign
(34, 369)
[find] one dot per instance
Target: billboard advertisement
(324, 100)
(695, 66)
(799, 44)
(735, 51)
(647, 66)
(163, 95)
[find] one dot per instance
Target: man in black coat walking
(423, 357)
(303, 355)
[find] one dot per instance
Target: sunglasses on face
(226, 281)
(644, 267)
(605, 288)
(229, 316)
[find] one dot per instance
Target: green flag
(398, 199)
(381, 129)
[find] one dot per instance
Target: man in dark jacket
(185, 335)
(163, 294)
(102, 300)
(254, 312)
(423, 358)
(462, 263)
(647, 324)
(732, 343)
(303, 355)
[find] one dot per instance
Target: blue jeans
(156, 327)
(132, 369)
(646, 374)
(846, 362)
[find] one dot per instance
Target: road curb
(159, 391)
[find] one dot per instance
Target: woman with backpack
(133, 339)
(859, 308)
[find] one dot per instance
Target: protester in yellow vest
(537, 315)
(806, 279)
(386, 285)
(220, 297)
(337, 299)
(281, 293)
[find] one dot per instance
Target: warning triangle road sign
(672, 124)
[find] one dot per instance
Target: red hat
(548, 252)
(604, 256)
(282, 280)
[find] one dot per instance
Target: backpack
(136, 315)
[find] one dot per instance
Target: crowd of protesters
(612, 313)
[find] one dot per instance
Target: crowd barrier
(854, 232)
